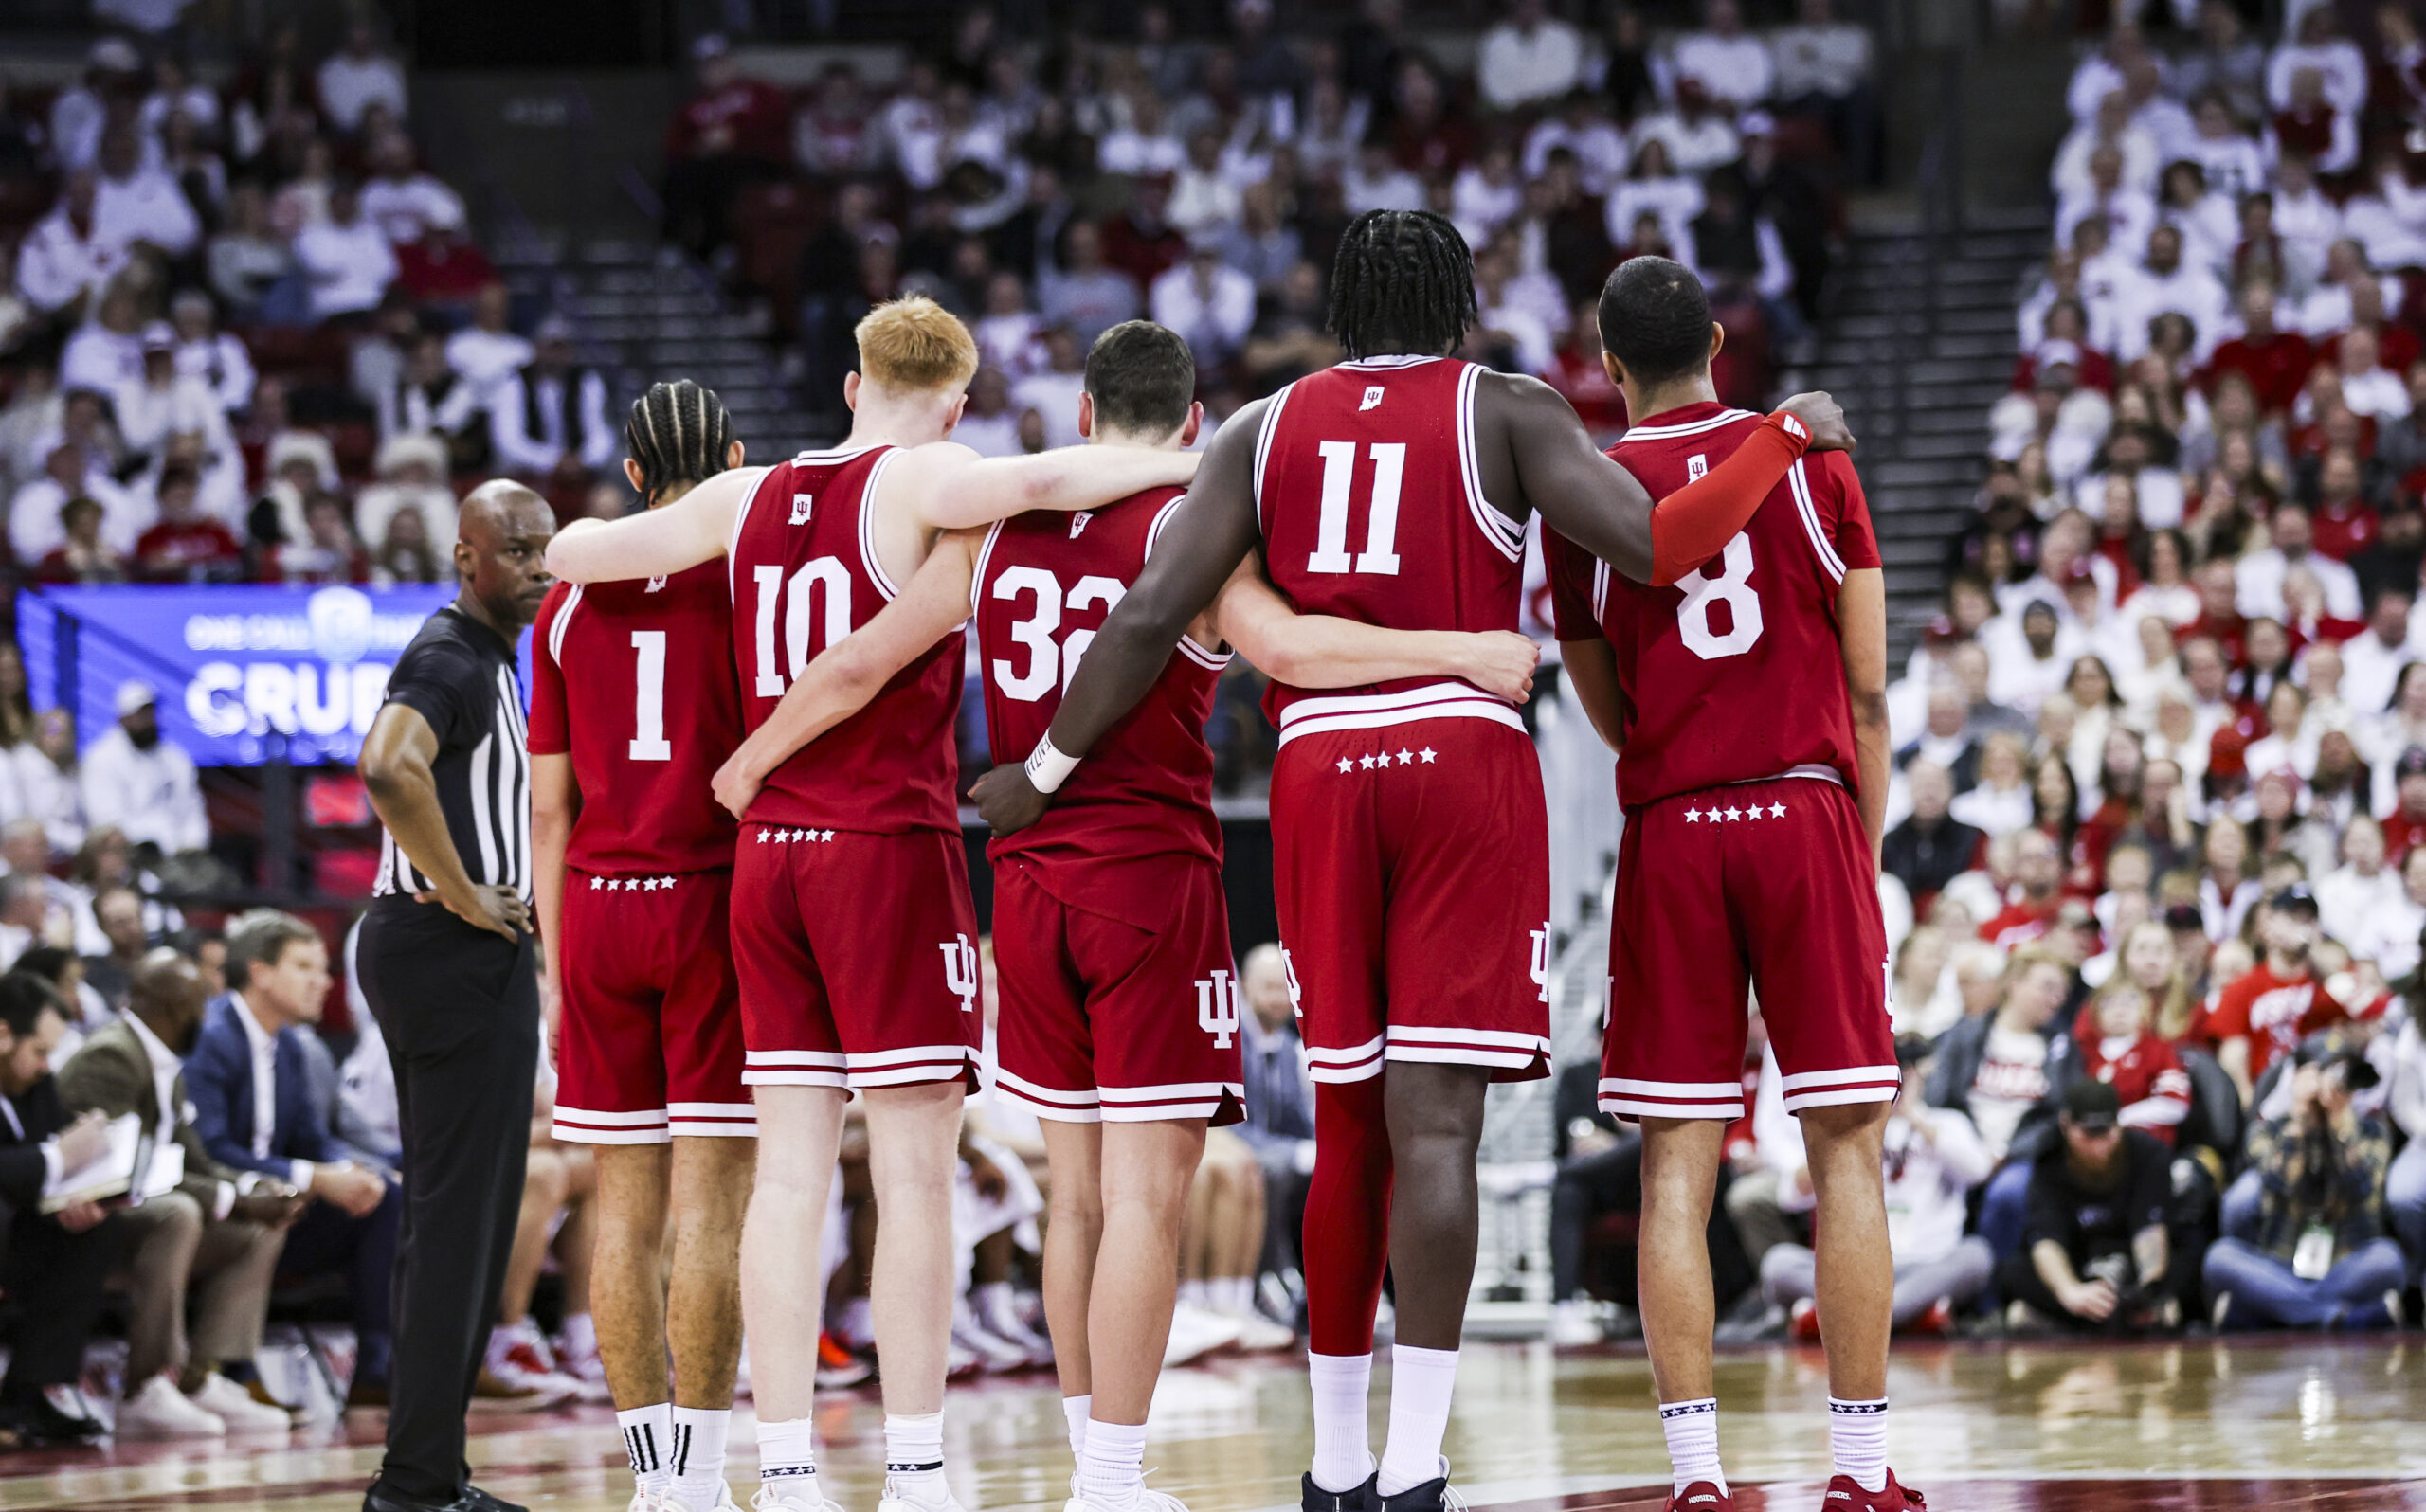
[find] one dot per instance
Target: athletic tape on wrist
(1048, 768)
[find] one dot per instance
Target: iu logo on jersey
(800, 507)
(655, 586)
(1217, 1007)
(1695, 466)
(1078, 523)
(1541, 960)
(1372, 399)
(960, 971)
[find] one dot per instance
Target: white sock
(1111, 1470)
(580, 1335)
(914, 1457)
(1342, 1453)
(787, 1459)
(698, 1455)
(1420, 1383)
(1857, 1434)
(1074, 1409)
(1692, 1428)
(1195, 1294)
(648, 1439)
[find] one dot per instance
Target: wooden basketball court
(2337, 1425)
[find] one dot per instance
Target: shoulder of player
(1518, 396)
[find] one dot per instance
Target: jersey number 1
(1381, 524)
(648, 698)
(1732, 586)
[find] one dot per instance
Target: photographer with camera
(2321, 1259)
(2095, 1251)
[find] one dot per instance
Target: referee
(449, 966)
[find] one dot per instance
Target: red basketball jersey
(1736, 672)
(635, 680)
(804, 576)
(1044, 582)
(1371, 508)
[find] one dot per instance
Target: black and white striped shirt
(462, 677)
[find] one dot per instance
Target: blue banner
(237, 669)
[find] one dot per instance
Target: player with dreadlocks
(1410, 841)
(634, 705)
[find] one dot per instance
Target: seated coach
(254, 1108)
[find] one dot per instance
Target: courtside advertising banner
(239, 671)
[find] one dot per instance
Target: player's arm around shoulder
(945, 486)
(660, 541)
(845, 676)
(1325, 651)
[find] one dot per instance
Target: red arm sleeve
(1695, 523)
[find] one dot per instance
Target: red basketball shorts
(649, 1039)
(1412, 868)
(1103, 1019)
(857, 958)
(1764, 888)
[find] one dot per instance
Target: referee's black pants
(460, 1008)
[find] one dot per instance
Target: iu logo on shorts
(1217, 1007)
(1541, 960)
(1288, 974)
(960, 971)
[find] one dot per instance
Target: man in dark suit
(218, 1234)
(254, 1111)
(53, 1261)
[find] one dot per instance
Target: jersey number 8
(1733, 587)
(1050, 664)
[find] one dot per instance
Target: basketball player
(1750, 699)
(1411, 847)
(852, 929)
(633, 704)
(1119, 1008)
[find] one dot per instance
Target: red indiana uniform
(852, 928)
(635, 681)
(1110, 927)
(1411, 847)
(1744, 862)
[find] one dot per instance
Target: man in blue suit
(253, 1107)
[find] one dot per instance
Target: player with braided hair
(634, 704)
(1411, 844)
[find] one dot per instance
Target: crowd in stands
(247, 336)
(1045, 186)
(2153, 876)
(283, 1135)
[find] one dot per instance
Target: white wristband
(1048, 768)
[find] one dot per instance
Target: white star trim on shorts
(1428, 753)
(1777, 810)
